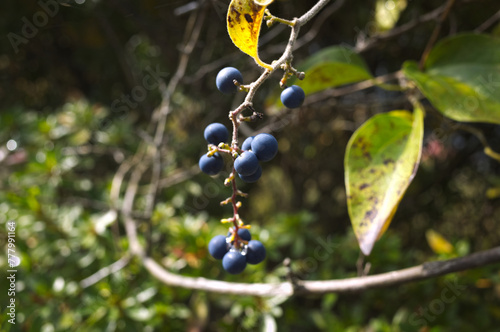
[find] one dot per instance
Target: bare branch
(364, 45)
(489, 22)
(312, 12)
(105, 271)
(416, 273)
(420, 272)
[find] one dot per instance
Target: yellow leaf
(493, 193)
(244, 19)
(438, 243)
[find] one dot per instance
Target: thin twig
(435, 33)
(342, 91)
(480, 136)
(311, 33)
(105, 271)
(489, 22)
(365, 45)
(179, 176)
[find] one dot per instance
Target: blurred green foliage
(57, 94)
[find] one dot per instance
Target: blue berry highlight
(225, 78)
(246, 163)
(247, 144)
(234, 262)
(211, 165)
(216, 133)
(217, 247)
(256, 252)
(293, 96)
(265, 147)
(253, 177)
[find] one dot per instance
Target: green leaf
(461, 78)
(381, 160)
(332, 67)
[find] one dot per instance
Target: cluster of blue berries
(236, 250)
(259, 148)
(255, 149)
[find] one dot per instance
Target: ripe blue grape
(234, 262)
(293, 96)
(265, 147)
(216, 133)
(256, 252)
(253, 177)
(247, 144)
(225, 78)
(211, 165)
(217, 247)
(246, 163)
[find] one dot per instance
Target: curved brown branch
(424, 271)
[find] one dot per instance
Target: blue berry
(247, 144)
(246, 163)
(216, 133)
(293, 96)
(234, 262)
(225, 78)
(265, 147)
(217, 247)
(253, 177)
(211, 165)
(256, 252)
(244, 234)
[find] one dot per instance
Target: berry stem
(236, 216)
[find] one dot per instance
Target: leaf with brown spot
(244, 19)
(381, 160)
